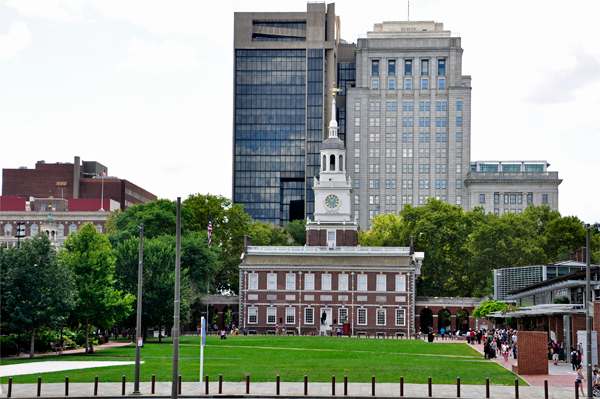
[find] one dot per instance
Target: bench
(400, 335)
(359, 333)
(380, 334)
(290, 332)
(252, 332)
(270, 332)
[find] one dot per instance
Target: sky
(145, 87)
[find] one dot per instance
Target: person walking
(555, 356)
(579, 379)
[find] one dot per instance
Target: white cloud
(17, 39)
(58, 10)
(169, 55)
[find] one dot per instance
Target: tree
(563, 235)
(37, 291)
(230, 224)
(197, 263)
(297, 230)
(486, 308)
(89, 256)
(267, 234)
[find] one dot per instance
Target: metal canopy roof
(542, 310)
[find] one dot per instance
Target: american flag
(209, 235)
(104, 172)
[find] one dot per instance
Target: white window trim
(309, 282)
(343, 282)
(401, 282)
(290, 281)
(272, 312)
(340, 314)
(377, 313)
(270, 282)
(404, 317)
(358, 282)
(313, 316)
(358, 312)
(290, 312)
(252, 281)
(253, 311)
(381, 283)
(324, 277)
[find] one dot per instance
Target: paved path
(292, 389)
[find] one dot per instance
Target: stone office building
(408, 125)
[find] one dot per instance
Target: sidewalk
(290, 390)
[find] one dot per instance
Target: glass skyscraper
(281, 102)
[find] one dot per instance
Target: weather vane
(335, 90)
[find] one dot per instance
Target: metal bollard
(9, 387)
(333, 385)
(429, 385)
(345, 385)
(123, 386)
(153, 388)
(305, 385)
(545, 389)
(96, 386)
(576, 390)
(372, 385)
(39, 387)
(67, 386)
(516, 388)
(179, 385)
(401, 386)
(220, 383)
(206, 383)
(487, 388)
(277, 391)
(247, 384)
(458, 387)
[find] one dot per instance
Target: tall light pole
(138, 327)
(175, 330)
(588, 318)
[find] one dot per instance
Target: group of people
(501, 342)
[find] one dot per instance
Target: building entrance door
(326, 320)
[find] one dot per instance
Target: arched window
(98, 228)
(34, 229)
(72, 228)
(341, 163)
(332, 162)
(61, 230)
(324, 164)
(8, 229)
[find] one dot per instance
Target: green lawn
(263, 357)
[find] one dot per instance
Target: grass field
(264, 357)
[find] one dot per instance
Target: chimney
(584, 254)
(76, 177)
(247, 243)
(572, 255)
(578, 254)
(412, 245)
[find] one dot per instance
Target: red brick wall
(12, 203)
(39, 182)
(577, 324)
(532, 349)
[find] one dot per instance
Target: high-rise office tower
(284, 65)
(408, 125)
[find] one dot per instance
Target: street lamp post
(175, 330)
(138, 326)
(588, 317)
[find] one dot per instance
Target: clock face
(332, 201)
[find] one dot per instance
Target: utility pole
(175, 330)
(138, 328)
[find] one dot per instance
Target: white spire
(333, 125)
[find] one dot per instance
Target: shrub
(8, 345)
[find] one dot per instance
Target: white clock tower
(333, 224)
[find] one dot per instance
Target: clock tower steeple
(333, 224)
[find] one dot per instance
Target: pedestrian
(555, 356)
(579, 379)
(574, 360)
(505, 352)
(442, 332)
(277, 328)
